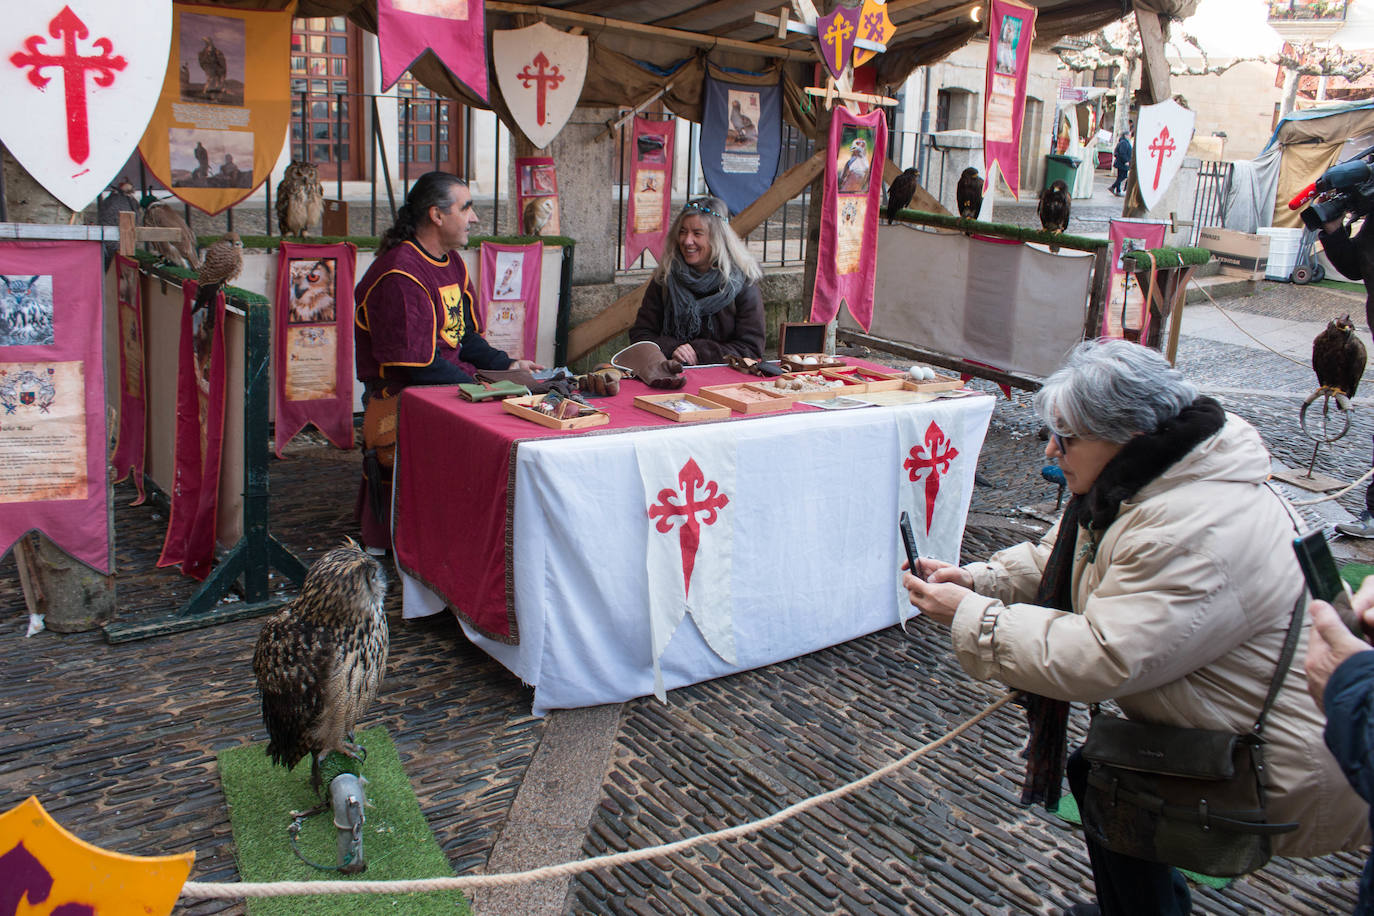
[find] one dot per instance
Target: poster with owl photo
(536, 193)
(508, 296)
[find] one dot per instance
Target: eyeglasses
(1061, 442)
(703, 205)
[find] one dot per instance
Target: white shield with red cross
(540, 71)
(80, 79)
(1162, 135)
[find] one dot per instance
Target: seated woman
(703, 302)
(1167, 586)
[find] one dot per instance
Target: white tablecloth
(815, 548)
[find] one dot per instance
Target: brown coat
(736, 329)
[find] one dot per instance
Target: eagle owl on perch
(320, 660)
(300, 198)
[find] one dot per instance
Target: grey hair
(728, 251)
(1111, 390)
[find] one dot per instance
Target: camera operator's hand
(1333, 225)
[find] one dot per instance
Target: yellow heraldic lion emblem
(452, 297)
(46, 870)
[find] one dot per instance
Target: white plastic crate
(1283, 251)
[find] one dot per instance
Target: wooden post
(1154, 86)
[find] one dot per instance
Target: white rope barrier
(195, 890)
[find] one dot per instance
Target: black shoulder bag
(1187, 797)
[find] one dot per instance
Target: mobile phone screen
(909, 543)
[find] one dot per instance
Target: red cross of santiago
(698, 495)
(1160, 147)
(545, 78)
(934, 462)
(68, 27)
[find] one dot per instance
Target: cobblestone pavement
(119, 741)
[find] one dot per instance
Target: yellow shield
(874, 25)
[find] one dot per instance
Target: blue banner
(741, 139)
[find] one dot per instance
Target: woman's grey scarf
(692, 298)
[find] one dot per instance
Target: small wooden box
(939, 383)
(803, 394)
(747, 397)
(870, 379)
(800, 337)
(525, 409)
(702, 409)
(335, 219)
(795, 362)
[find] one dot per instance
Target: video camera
(1347, 187)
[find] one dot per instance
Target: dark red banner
(131, 439)
(651, 188)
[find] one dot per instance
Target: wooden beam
(620, 314)
(1156, 67)
(676, 36)
(922, 199)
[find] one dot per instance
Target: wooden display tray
(869, 379)
(792, 362)
(773, 399)
(656, 403)
(939, 383)
(818, 394)
(523, 407)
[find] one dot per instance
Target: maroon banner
(1126, 308)
(848, 254)
(190, 539)
(453, 29)
(1011, 27)
(536, 195)
(314, 342)
(52, 398)
(651, 188)
(131, 440)
(508, 297)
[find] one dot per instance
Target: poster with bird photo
(314, 372)
(536, 191)
(508, 296)
(848, 248)
(651, 177)
(741, 135)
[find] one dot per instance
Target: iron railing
(1209, 200)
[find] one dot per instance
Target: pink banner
(53, 437)
(314, 342)
(1126, 309)
(1011, 27)
(131, 440)
(651, 188)
(848, 254)
(508, 297)
(452, 29)
(190, 539)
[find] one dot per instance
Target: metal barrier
(1209, 200)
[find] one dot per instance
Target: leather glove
(648, 364)
(604, 380)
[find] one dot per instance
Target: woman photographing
(703, 302)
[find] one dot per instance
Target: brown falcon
(969, 193)
(219, 265)
(1338, 357)
(899, 194)
(300, 198)
(1054, 209)
(163, 215)
(320, 660)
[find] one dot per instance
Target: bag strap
(1290, 641)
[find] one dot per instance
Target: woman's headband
(703, 205)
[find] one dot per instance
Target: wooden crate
(871, 379)
(805, 394)
(736, 397)
(793, 362)
(660, 404)
(524, 408)
(939, 383)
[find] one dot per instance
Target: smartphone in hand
(1324, 580)
(909, 542)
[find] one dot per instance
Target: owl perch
(320, 660)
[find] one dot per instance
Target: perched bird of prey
(213, 65)
(162, 215)
(741, 125)
(1338, 357)
(1054, 209)
(300, 198)
(219, 265)
(319, 661)
(969, 193)
(899, 194)
(120, 200)
(854, 174)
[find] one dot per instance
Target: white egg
(928, 373)
(916, 373)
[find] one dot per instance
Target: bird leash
(346, 799)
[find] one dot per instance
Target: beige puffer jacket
(1182, 610)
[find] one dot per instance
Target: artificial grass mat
(397, 842)
(1068, 811)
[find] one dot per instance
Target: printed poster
(536, 192)
(847, 257)
(741, 139)
(651, 187)
(131, 440)
(1126, 310)
(508, 297)
(219, 127)
(52, 398)
(453, 29)
(314, 340)
(1011, 28)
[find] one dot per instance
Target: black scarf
(692, 298)
(1141, 460)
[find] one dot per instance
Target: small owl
(320, 660)
(300, 198)
(539, 216)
